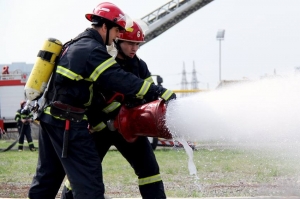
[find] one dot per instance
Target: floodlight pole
(220, 60)
(220, 37)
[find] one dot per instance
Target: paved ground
(261, 197)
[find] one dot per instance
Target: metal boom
(168, 15)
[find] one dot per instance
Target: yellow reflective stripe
(68, 185)
(29, 143)
(143, 90)
(99, 127)
(149, 79)
(47, 111)
(20, 144)
(23, 116)
(91, 96)
(88, 79)
(149, 180)
(167, 94)
(68, 73)
(102, 67)
(111, 107)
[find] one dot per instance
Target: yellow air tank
(42, 69)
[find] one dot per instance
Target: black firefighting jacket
(86, 64)
(139, 68)
(23, 115)
(135, 66)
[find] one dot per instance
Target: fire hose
(15, 142)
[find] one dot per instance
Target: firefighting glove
(165, 94)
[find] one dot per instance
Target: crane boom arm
(168, 15)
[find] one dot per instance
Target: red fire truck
(11, 93)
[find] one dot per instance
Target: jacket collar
(93, 33)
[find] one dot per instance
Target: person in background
(83, 70)
(24, 118)
(5, 70)
(139, 154)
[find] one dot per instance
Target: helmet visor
(128, 21)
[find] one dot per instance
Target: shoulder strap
(64, 48)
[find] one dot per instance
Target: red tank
(145, 120)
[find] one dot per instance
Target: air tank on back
(42, 69)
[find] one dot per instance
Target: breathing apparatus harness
(59, 109)
(51, 91)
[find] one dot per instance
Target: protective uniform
(83, 66)
(24, 127)
(139, 154)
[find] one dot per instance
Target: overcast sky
(260, 36)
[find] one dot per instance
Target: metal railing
(163, 11)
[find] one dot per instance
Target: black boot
(31, 147)
(20, 148)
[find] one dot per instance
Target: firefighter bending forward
(84, 68)
(139, 154)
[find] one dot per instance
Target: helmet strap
(108, 27)
(107, 37)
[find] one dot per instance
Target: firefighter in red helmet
(112, 16)
(139, 154)
(5, 70)
(24, 118)
(84, 69)
(133, 34)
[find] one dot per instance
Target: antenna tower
(184, 82)
(194, 82)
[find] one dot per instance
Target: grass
(220, 172)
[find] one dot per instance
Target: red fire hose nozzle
(144, 120)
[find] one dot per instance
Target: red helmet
(110, 12)
(5, 70)
(22, 103)
(134, 34)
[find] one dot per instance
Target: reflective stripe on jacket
(86, 62)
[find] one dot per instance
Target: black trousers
(139, 154)
(82, 165)
(25, 131)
